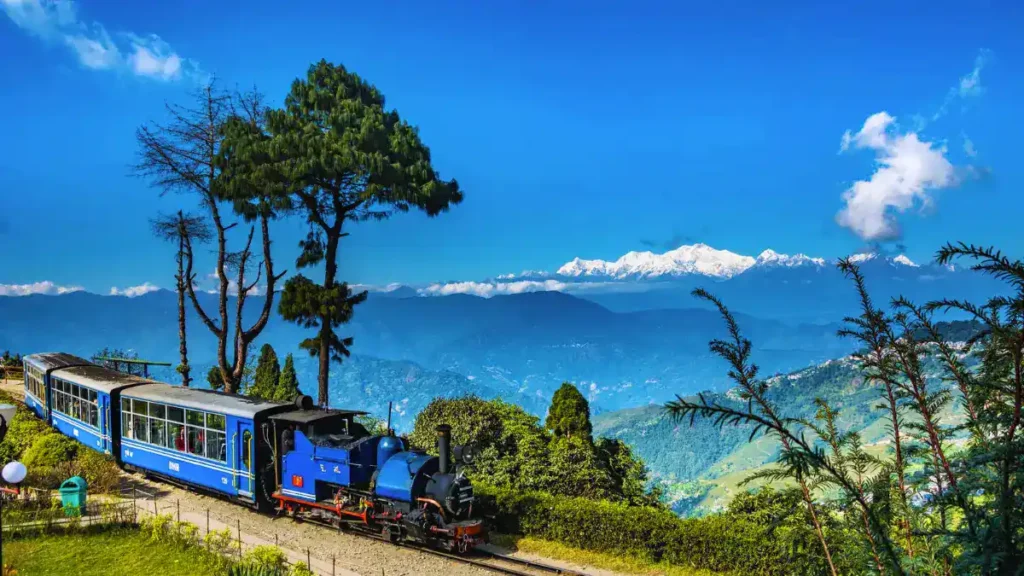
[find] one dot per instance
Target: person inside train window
(179, 436)
(195, 441)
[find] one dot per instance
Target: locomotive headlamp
(465, 454)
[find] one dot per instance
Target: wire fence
(33, 511)
(146, 503)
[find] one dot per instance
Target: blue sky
(576, 128)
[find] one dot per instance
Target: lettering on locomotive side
(174, 466)
(75, 431)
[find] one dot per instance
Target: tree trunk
(243, 338)
(183, 346)
(806, 492)
(326, 330)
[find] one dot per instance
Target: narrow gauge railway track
(502, 564)
(494, 562)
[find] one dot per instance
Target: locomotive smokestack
(444, 442)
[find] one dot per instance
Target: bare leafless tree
(185, 155)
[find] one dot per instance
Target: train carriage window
(139, 428)
(196, 443)
(126, 405)
(140, 407)
(246, 449)
(176, 436)
(157, 411)
(194, 418)
(215, 445)
(215, 422)
(126, 425)
(175, 414)
(157, 432)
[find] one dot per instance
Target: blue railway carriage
(201, 438)
(82, 399)
(38, 368)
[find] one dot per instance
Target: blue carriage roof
(199, 399)
(54, 360)
(98, 378)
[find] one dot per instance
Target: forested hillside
(699, 465)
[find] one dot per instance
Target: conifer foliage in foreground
(947, 498)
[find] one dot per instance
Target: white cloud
(376, 287)
(44, 287)
(133, 291)
(488, 289)
(232, 286)
(969, 148)
(909, 169)
(97, 51)
(154, 58)
(57, 21)
(968, 87)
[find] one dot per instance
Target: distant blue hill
(519, 347)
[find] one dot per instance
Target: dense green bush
(746, 541)
(514, 451)
(265, 557)
(22, 431)
(49, 451)
(100, 471)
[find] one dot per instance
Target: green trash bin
(72, 495)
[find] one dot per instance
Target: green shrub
(99, 470)
(22, 431)
(253, 570)
(156, 526)
(220, 541)
(724, 542)
(301, 569)
(50, 450)
(265, 557)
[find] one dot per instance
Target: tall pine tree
(268, 374)
(569, 414)
(288, 385)
(339, 156)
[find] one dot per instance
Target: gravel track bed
(358, 554)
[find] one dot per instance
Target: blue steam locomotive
(289, 458)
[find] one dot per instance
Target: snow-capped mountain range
(688, 260)
(770, 284)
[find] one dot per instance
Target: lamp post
(13, 472)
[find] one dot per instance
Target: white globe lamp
(14, 472)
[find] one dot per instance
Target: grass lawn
(115, 553)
